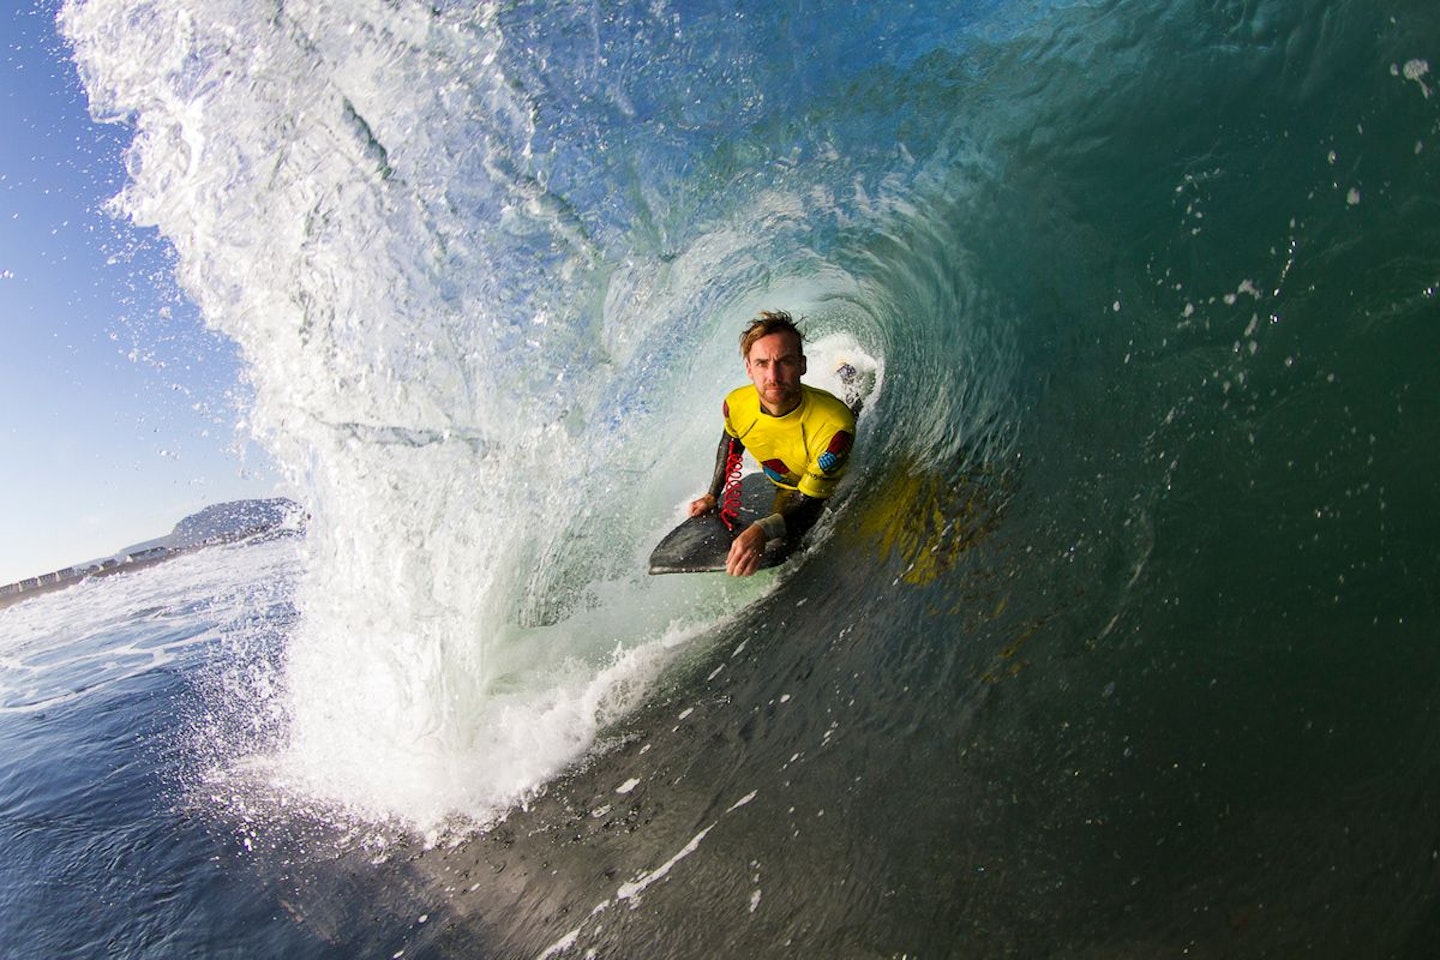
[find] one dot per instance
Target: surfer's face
(775, 365)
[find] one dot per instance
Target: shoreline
(13, 593)
(220, 523)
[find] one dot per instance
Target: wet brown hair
(769, 321)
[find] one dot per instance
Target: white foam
(60, 647)
(488, 419)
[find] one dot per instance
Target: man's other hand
(746, 552)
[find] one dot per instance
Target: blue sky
(117, 406)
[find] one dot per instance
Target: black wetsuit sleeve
(729, 447)
(800, 514)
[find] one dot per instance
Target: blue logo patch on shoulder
(834, 454)
(776, 470)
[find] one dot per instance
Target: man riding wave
(800, 435)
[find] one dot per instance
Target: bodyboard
(701, 544)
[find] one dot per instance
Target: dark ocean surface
(1121, 640)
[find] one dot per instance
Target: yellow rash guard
(805, 450)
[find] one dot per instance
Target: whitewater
(1118, 639)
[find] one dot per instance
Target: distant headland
(221, 523)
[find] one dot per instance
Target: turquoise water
(1120, 640)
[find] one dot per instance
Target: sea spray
(464, 391)
(327, 191)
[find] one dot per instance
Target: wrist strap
(773, 525)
